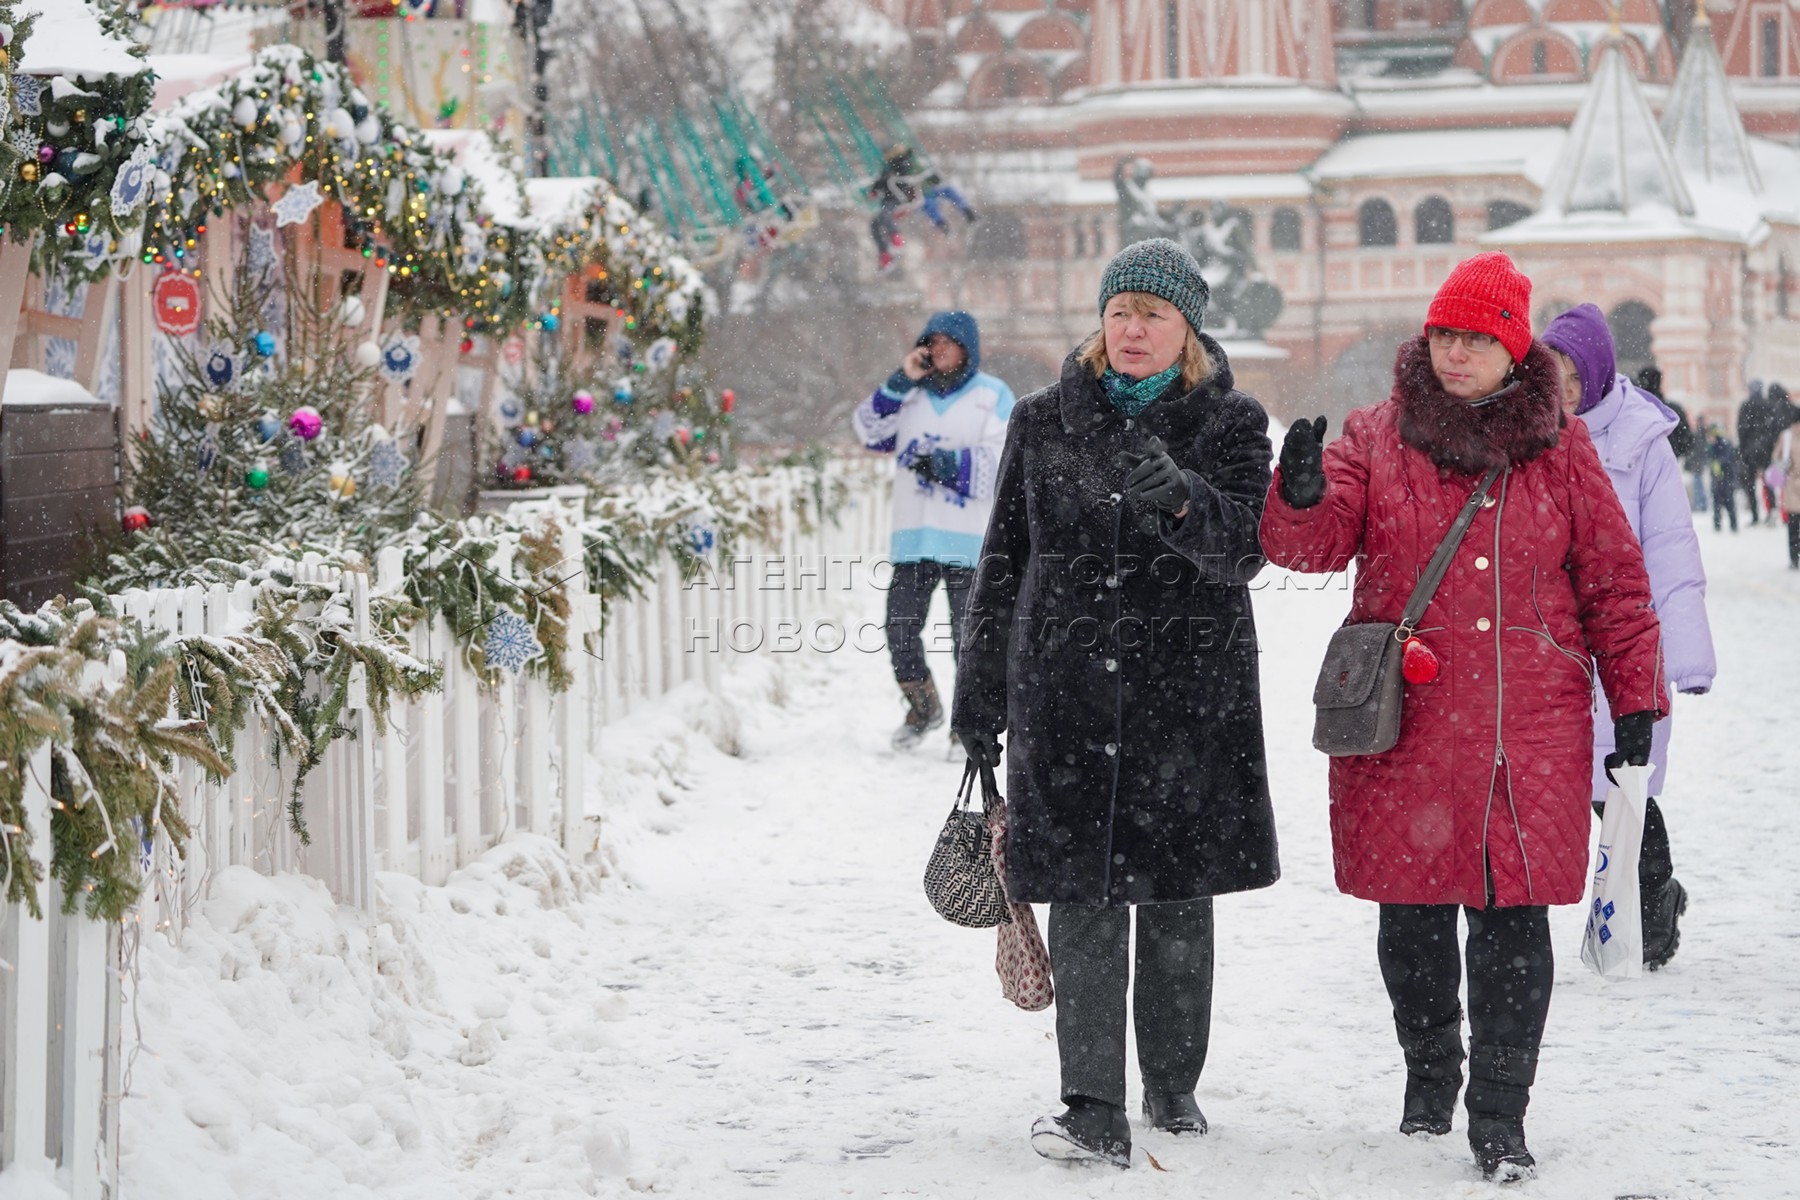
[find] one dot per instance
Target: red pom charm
(1417, 663)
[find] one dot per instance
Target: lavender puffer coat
(1630, 429)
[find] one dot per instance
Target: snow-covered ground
(745, 993)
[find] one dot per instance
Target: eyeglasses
(1443, 339)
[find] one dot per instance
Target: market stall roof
(68, 39)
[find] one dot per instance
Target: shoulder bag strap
(1440, 562)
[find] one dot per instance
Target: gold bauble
(29, 172)
(80, 115)
(208, 407)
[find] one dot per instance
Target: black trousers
(1511, 968)
(1171, 995)
(1793, 526)
(909, 602)
(1656, 866)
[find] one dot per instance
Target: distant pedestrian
(1759, 423)
(1630, 430)
(1483, 802)
(1111, 638)
(1788, 452)
(1722, 469)
(944, 420)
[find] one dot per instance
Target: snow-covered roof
(476, 153)
(1703, 127)
(179, 74)
(1052, 177)
(1529, 153)
(66, 39)
(27, 388)
(1616, 159)
(1264, 96)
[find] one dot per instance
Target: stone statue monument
(1244, 303)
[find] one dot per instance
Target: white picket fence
(455, 772)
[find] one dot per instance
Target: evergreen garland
(76, 170)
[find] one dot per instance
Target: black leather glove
(1155, 477)
(1303, 463)
(1631, 741)
(940, 466)
(983, 749)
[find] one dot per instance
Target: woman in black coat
(1109, 634)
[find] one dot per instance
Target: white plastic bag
(1614, 942)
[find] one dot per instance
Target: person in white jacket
(944, 420)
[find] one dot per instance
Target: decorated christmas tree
(266, 436)
(607, 420)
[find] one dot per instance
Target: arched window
(1433, 222)
(1375, 224)
(1502, 213)
(1284, 229)
(999, 235)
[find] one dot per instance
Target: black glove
(940, 466)
(983, 749)
(1631, 741)
(1155, 477)
(1303, 463)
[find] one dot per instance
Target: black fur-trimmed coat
(1116, 649)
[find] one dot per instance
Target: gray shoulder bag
(1359, 691)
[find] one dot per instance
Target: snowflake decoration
(209, 450)
(28, 94)
(700, 538)
(293, 457)
(97, 246)
(298, 203)
(511, 642)
(400, 358)
(24, 142)
(582, 454)
(261, 255)
(474, 252)
(386, 465)
(131, 185)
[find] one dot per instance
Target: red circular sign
(177, 302)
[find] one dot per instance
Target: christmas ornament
(582, 401)
(521, 474)
(465, 346)
(400, 357)
(386, 464)
(340, 482)
(298, 203)
(243, 113)
(135, 518)
(257, 477)
(622, 393)
(220, 368)
(699, 538)
(267, 427)
(660, 354)
(683, 434)
(306, 422)
(131, 185)
(727, 400)
(662, 424)
(510, 642)
(582, 454)
(549, 321)
(28, 93)
(264, 343)
(350, 311)
(293, 458)
(368, 354)
(1417, 663)
(527, 437)
(28, 172)
(176, 297)
(208, 407)
(208, 451)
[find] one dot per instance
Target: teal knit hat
(1161, 268)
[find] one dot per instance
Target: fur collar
(1468, 440)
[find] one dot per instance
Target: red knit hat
(1486, 294)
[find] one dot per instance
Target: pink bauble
(306, 423)
(582, 401)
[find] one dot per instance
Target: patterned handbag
(960, 880)
(1020, 958)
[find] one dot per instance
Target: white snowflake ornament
(386, 465)
(511, 642)
(400, 358)
(298, 203)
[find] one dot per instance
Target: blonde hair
(1196, 363)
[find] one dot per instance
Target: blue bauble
(267, 428)
(265, 343)
(528, 437)
(622, 395)
(551, 322)
(220, 369)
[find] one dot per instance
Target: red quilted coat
(1494, 756)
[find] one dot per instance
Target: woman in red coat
(1483, 802)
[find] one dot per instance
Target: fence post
(431, 634)
(86, 980)
(572, 730)
(395, 840)
(25, 1021)
(359, 807)
(501, 798)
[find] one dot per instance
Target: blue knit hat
(1162, 268)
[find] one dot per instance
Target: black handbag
(960, 880)
(1359, 691)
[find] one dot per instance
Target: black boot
(924, 712)
(1662, 927)
(1500, 1079)
(1434, 1059)
(1090, 1131)
(1174, 1112)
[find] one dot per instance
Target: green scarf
(1132, 396)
